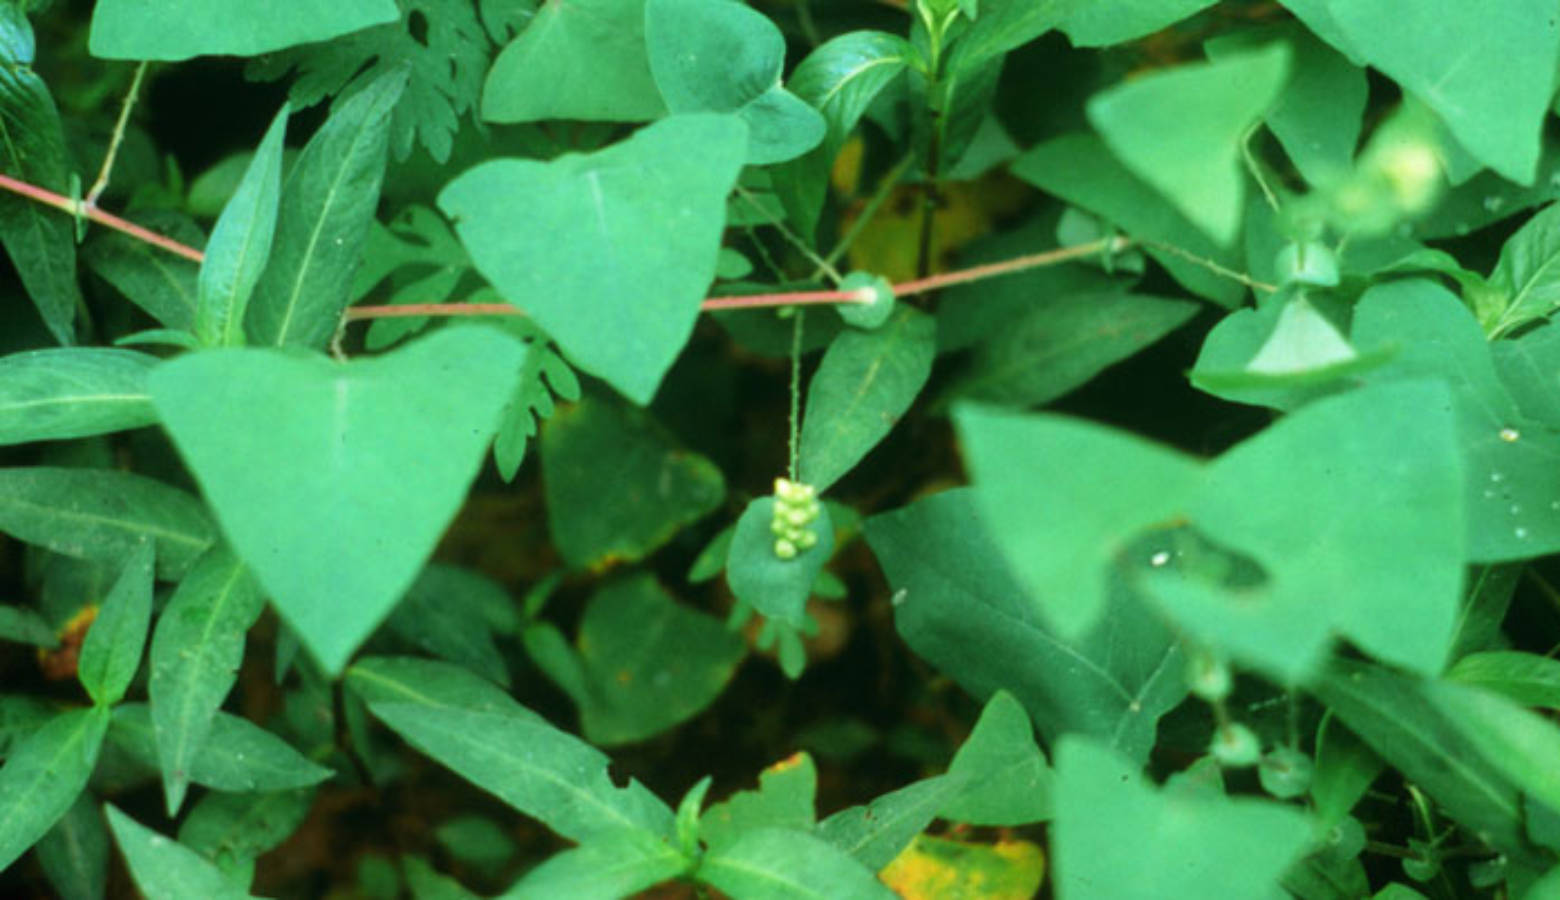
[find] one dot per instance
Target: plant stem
(790, 236)
(796, 395)
(874, 203)
(119, 135)
(79, 207)
(1210, 265)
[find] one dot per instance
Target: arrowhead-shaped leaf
(333, 481)
(180, 29)
(610, 252)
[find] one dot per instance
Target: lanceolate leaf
(610, 252)
(1004, 25)
(239, 755)
(781, 864)
(867, 380)
(1528, 274)
(39, 240)
(606, 869)
(584, 59)
(427, 682)
(112, 651)
(103, 515)
(150, 277)
(327, 205)
(840, 79)
(180, 29)
(196, 651)
(164, 869)
(74, 853)
(379, 454)
(240, 244)
(43, 774)
(73, 392)
(537, 769)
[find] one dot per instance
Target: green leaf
(72, 392)
(240, 244)
(619, 485)
(1319, 113)
(649, 662)
(784, 799)
(196, 651)
(327, 206)
(1490, 590)
(233, 829)
(608, 868)
(238, 755)
(111, 652)
(1519, 743)
(875, 833)
(1005, 25)
(1060, 535)
(74, 854)
(1511, 488)
(1080, 169)
(866, 381)
(103, 515)
(782, 864)
(43, 774)
(445, 613)
(150, 277)
(840, 79)
(585, 59)
(543, 375)
(20, 624)
(1353, 509)
(721, 56)
(959, 608)
(1393, 714)
(1103, 24)
(445, 61)
(164, 869)
(378, 455)
(1488, 73)
(777, 588)
(1200, 846)
(539, 770)
(39, 240)
(1181, 130)
(1344, 771)
(422, 259)
(427, 682)
(1006, 780)
(1527, 277)
(1527, 678)
(582, 243)
(180, 29)
(1064, 341)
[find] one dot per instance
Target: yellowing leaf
(934, 868)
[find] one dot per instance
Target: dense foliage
(406, 404)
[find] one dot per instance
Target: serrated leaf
(439, 42)
(543, 375)
(840, 79)
(1180, 131)
(196, 651)
(43, 774)
(866, 381)
(238, 755)
(1488, 73)
(164, 869)
(606, 869)
(1006, 779)
(111, 652)
(72, 392)
(958, 608)
(618, 484)
(240, 244)
(380, 452)
(327, 206)
(539, 770)
(777, 588)
(1202, 846)
(585, 59)
(103, 515)
(720, 56)
(39, 240)
(781, 864)
(610, 252)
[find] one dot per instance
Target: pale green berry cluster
(796, 506)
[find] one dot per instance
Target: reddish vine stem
(77, 207)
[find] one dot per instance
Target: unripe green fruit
(1236, 746)
(1285, 773)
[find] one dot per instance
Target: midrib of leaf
(881, 824)
(186, 682)
(230, 322)
(319, 224)
(1135, 702)
(72, 400)
(852, 74)
(132, 525)
(796, 888)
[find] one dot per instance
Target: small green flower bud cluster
(796, 506)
